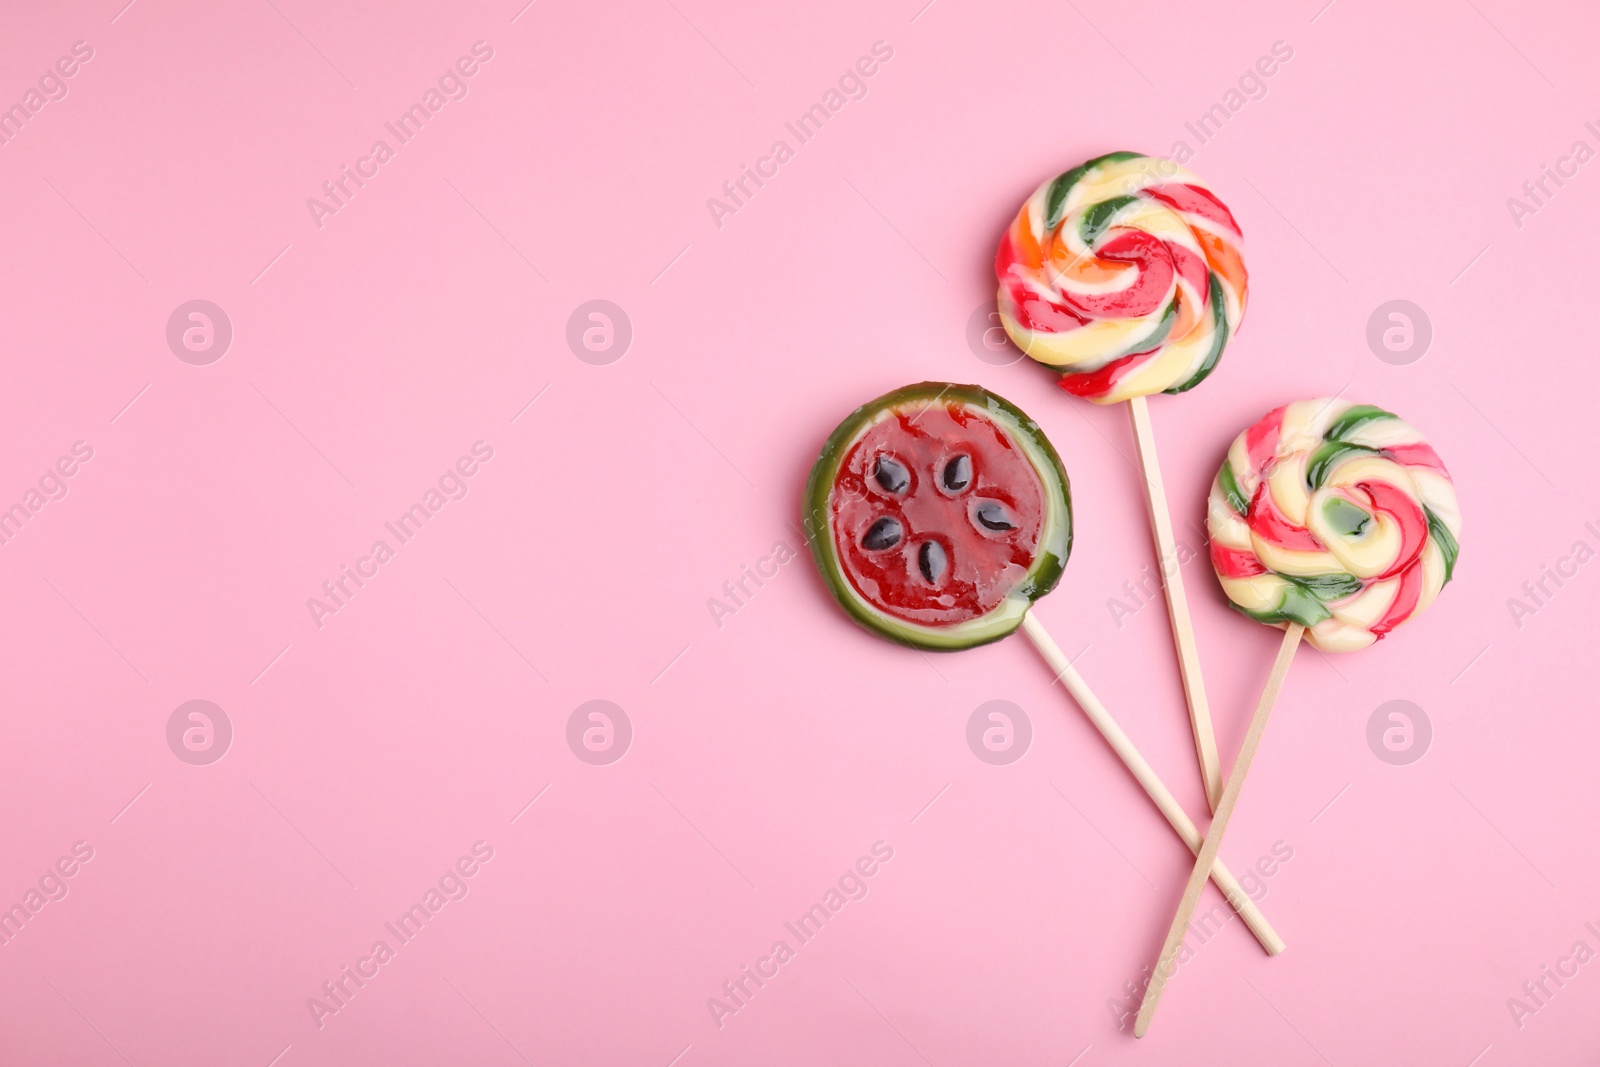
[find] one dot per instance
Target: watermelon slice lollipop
(938, 514)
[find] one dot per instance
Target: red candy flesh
(981, 565)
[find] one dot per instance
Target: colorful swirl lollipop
(1124, 274)
(938, 514)
(1328, 518)
(1334, 515)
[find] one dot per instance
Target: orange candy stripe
(1023, 242)
(1223, 257)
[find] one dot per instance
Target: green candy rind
(1055, 543)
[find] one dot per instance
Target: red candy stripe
(1420, 454)
(1151, 256)
(1261, 440)
(1405, 601)
(1036, 313)
(1235, 562)
(1408, 514)
(1196, 201)
(1096, 382)
(1269, 524)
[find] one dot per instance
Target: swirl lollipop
(1124, 275)
(938, 514)
(1333, 520)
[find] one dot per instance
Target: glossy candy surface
(1124, 274)
(937, 514)
(1335, 515)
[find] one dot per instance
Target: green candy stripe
(1099, 216)
(1158, 337)
(1302, 606)
(1306, 598)
(1298, 605)
(1055, 200)
(1230, 489)
(1355, 418)
(1219, 340)
(1448, 546)
(1333, 586)
(1327, 456)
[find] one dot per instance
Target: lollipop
(1124, 274)
(947, 514)
(1336, 516)
(937, 515)
(1335, 521)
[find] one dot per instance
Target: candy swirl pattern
(1125, 275)
(1338, 516)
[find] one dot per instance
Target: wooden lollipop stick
(1219, 826)
(1194, 689)
(1146, 777)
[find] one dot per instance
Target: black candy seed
(957, 474)
(931, 560)
(993, 516)
(885, 533)
(891, 474)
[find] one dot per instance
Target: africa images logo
(737, 192)
(452, 485)
(51, 87)
(453, 885)
(453, 84)
(852, 885)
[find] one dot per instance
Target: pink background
(772, 751)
